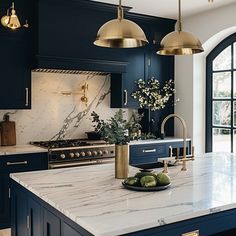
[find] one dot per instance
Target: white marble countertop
(94, 199)
(20, 149)
(151, 141)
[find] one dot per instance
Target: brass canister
(121, 161)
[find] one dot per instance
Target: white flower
(150, 95)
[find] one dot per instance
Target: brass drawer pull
(17, 163)
(149, 150)
(193, 233)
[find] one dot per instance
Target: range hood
(51, 64)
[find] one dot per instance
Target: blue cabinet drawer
(149, 150)
(23, 162)
(144, 154)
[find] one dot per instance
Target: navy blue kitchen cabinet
(12, 164)
(51, 224)
(123, 85)
(34, 218)
(141, 155)
(4, 201)
(17, 52)
(68, 230)
(147, 153)
(218, 224)
(38, 218)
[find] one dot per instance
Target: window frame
(230, 40)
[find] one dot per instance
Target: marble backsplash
(57, 116)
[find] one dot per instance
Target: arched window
(221, 97)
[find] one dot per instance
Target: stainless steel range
(77, 152)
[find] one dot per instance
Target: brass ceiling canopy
(120, 33)
(11, 19)
(180, 42)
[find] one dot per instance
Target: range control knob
(100, 153)
(77, 154)
(89, 153)
(105, 152)
(62, 156)
(82, 154)
(95, 153)
(71, 154)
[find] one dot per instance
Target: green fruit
(162, 179)
(132, 181)
(144, 173)
(148, 181)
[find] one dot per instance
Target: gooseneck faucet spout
(184, 159)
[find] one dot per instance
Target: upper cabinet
(16, 47)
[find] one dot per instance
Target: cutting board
(7, 131)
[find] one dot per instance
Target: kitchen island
(90, 201)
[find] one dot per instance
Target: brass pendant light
(11, 19)
(120, 33)
(180, 42)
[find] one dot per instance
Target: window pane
(221, 140)
(234, 55)
(222, 85)
(234, 141)
(223, 60)
(234, 84)
(234, 114)
(221, 113)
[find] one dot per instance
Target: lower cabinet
(4, 201)
(30, 216)
(51, 224)
(68, 230)
(34, 218)
(12, 164)
(148, 154)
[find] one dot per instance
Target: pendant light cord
(120, 11)
(180, 18)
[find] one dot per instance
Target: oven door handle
(80, 163)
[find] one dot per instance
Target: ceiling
(168, 8)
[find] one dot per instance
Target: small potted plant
(114, 131)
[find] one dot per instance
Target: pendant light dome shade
(180, 43)
(120, 33)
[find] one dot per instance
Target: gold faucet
(184, 159)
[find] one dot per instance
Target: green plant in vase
(114, 131)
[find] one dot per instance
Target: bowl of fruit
(146, 180)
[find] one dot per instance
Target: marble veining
(20, 149)
(94, 199)
(56, 116)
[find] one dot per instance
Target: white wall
(211, 28)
